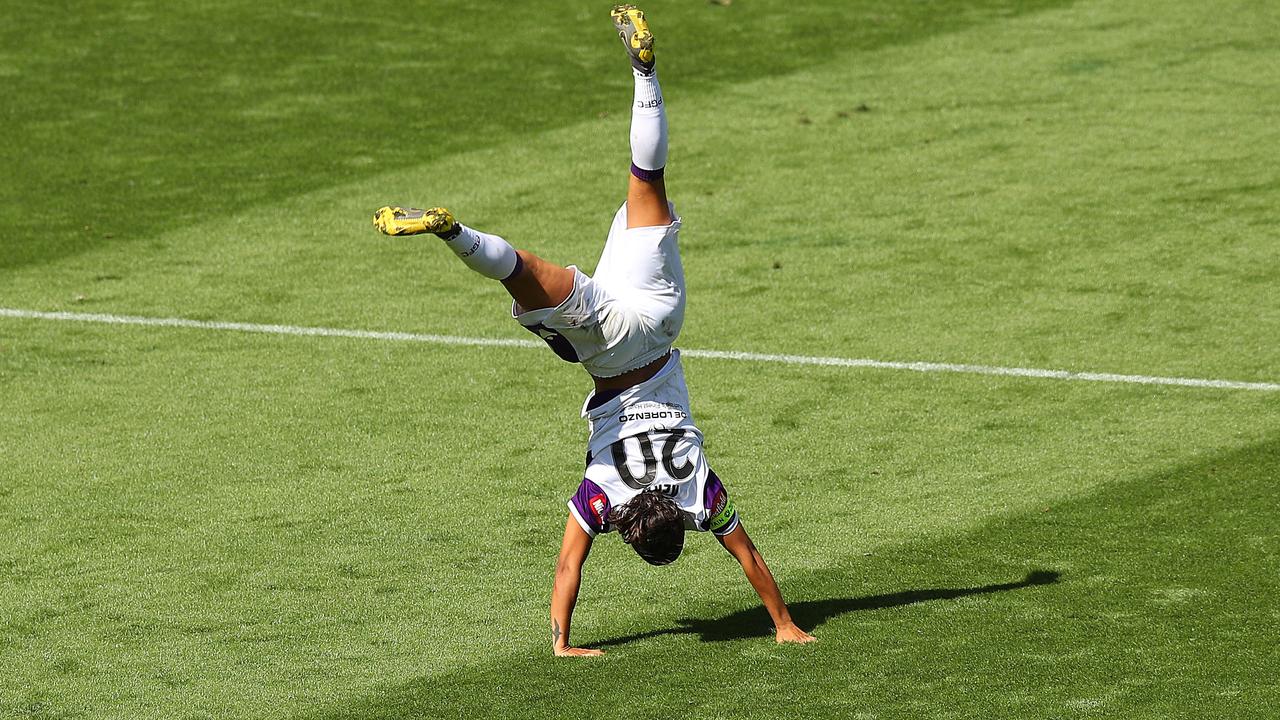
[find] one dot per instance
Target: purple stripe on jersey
(592, 505)
(646, 175)
(712, 489)
(716, 500)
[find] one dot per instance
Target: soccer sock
(648, 128)
(487, 254)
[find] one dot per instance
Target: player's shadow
(810, 614)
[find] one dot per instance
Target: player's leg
(532, 281)
(542, 284)
(647, 191)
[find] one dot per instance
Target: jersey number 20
(678, 472)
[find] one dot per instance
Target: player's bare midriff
(631, 377)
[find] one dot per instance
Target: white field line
(710, 354)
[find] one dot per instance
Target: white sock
(487, 254)
(648, 128)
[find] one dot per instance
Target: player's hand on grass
(576, 652)
(793, 634)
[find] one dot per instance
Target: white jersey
(660, 403)
(645, 440)
(667, 463)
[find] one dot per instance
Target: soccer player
(646, 476)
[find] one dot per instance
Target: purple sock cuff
(515, 270)
(646, 175)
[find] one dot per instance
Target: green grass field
(213, 524)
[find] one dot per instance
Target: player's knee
(525, 262)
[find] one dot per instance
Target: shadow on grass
(1180, 552)
(810, 614)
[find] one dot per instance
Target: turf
(207, 524)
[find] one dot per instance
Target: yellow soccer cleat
(634, 31)
(412, 221)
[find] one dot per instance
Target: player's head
(652, 525)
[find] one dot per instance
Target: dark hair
(652, 525)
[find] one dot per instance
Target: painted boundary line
(710, 354)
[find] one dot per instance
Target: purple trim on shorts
(646, 175)
(519, 268)
(600, 397)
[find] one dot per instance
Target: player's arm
(744, 551)
(564, 595)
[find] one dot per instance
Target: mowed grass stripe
(266, 115)
(709, 354)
